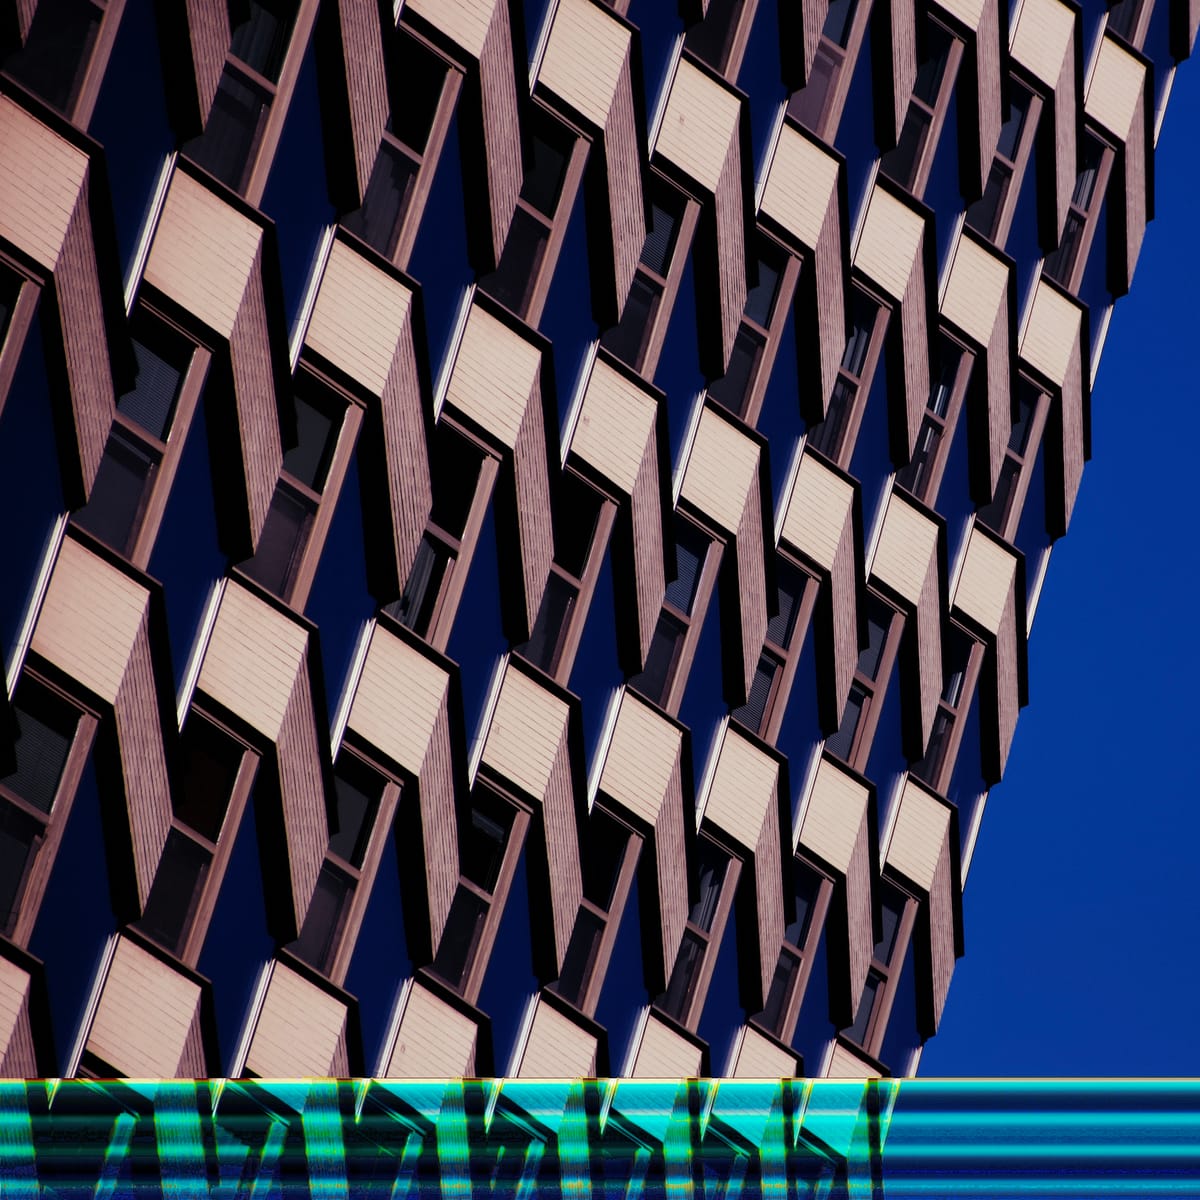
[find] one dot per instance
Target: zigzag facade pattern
(525, 516)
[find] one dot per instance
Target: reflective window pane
(356, 799)
(317, 428)
(379, 219)
(602, 857)
(627, 340)
(57, 50)
(513, 280)
(162, 357)
(460, 940)
(665, 217)
(713, 867)
(416, 605)
(229, 138)
(841, 743)
(20, 836)
(45, 728)
(654, 681)
(281, 543)
(691, 549)
(175, 892)
(209, 763)
(580, 959)
(866, 1006)
(260, 39)
(681, 987)
(424, 75)
(483, 847)
(114, 509)
(549, 630)
(317, 942)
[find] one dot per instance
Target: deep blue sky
(1082, 905)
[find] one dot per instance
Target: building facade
(522, 517)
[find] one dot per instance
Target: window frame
(1022, 462)
(1089, 217)
(843, 58)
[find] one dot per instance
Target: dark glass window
(935, 753)
(1122, 17)
(691, 548)
(230, 137)
(627, 339)
(790, 582)
(54, 59)
(323, 921)
(665, 218)
(546, 171)
(209, 763)
(487, 835)
(1060, 262)
(932, 67)
(580, 959)
(858, 1031)
(711, 39)
(841, 742)
(752, 712)
(1027, 398)
(983, 215)
(424, 76)
(807, 885)
(317, 428)
(379, 219)
(915, 473)
(579, 512)
(712, 869)
(455, 470)
(827, 435)
(682, 985)
(733, 388)
(260, 38)
(546, 638)
(171, 905)
(949, 356)
(46, 727)
(863, 314)
(891, 910)
(20, 836)
(838, 20)
(10, 289)
(995, 514)
(1014, 123)
(114, 509)
(807, 106)
(414, 609)
(661, 659)
(900, 163)
(787, 967)
(1085, 181)
(513, 279)
(958, 654)
(356, 791)
(282, 541)
(879, 621)
(602, 857)
(760, 301)
(162, 357)
(460, 940)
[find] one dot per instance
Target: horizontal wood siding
(143, 762)
(302, 792)
(203, 253)
(665, 1054)
(253, 657)
(254, 395)
(501, 124)
(758, 1058)
(615, 426)
(144, 1016)
(670, 851)
(18, 1059)
(586, 58)
(845, 1064)
(91, 617)
(919, 835)
(439, 825)
(557, 1048)
(743, 790)
(859, 909)
(85, 342)
(362, 323)
(360, 48)
(209, 38)
(435, 1041)
(985, 582)
(298, 1029)
(40, 190)
(465, 22)
(915, 350)
(642, 759)
(819, 510)
(699, 125)
(843, 596)
(836, 812)
(721, 474)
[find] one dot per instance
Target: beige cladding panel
(890, 242)
(494, 375)
(976, 288)
(985, 581)
(434, 1041)
(528, 727)
(821, 503)
(906, 546)
(253, 657)
(641, 759)
(743, 788)
(801, 182)
(557, 1047)
(1115, 90)
(616, 421)
(145, 1013)
(203, 253)
(834, 815)
(845, 1064)
(14, 999)
(1041, 39)
(40, 184)
(398, 699)
(359, 317)
(298, 1029)
(1051, 341)
(466, 22)
(584, 58)
(90, 618)
(758, 1058)
(665, 1054)
(721, 469)
(698, 126)
(918, 836)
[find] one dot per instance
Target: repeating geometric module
(525, 517)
